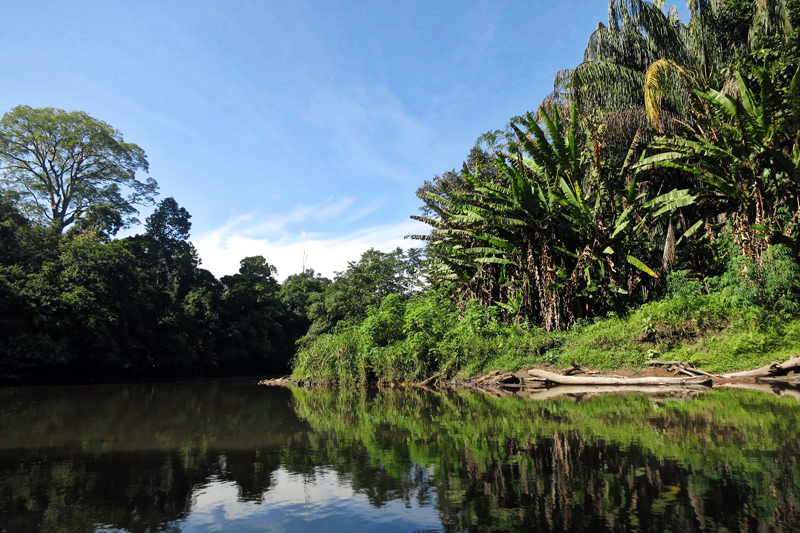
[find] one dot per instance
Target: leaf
(689, 232)
(763, 229)
(565, 251)
(483, 250)
(622, 222)
(641, 266)
(671, 201)
(495, 260)
(659, 84)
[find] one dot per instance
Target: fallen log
(773, 369)
(578, 369)
(427, 381)
(790, 379)
(597, 380)
(276, 382)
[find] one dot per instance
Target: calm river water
(228, 455)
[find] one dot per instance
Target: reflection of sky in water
(294, 503)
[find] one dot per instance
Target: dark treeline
(80, 306)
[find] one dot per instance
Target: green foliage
(744, 318)
(363, 285)
(81, 307)
(332, 358)
(66, 165)
(744, 153)
(772, 284)
(296, 292)
(384, 325)
(552, 236)
(255, 332)
(169, 223)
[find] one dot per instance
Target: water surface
(232, 456)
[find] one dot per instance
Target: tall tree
(63, 165)
(256, 324)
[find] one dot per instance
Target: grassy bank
(743, 319)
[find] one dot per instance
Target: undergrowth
(745, 318)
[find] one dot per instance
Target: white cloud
(222, 250)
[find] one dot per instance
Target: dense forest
(649, 205)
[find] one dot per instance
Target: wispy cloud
(276, 225)
(371, 130)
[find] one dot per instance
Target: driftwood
(597, 380)
(427, 381)
(774, 369)
(276, 382)
(682, 367)
(578, 369)
(791, 379)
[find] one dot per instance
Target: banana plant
(746, 157)
(550, 237)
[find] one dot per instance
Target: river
(228, 455)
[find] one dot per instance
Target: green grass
(698, 330)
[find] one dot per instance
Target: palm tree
(642, 58)
(649, 61)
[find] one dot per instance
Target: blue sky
(294, 127)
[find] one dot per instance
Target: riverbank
(657, 377)
(710, 332)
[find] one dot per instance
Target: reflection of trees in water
(134, 457)
(63, 491)
(724, 462)
(563, 483)
(364, 472)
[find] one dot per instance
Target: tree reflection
(136, 457)
(621, 463)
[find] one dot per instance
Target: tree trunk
(554, 306)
